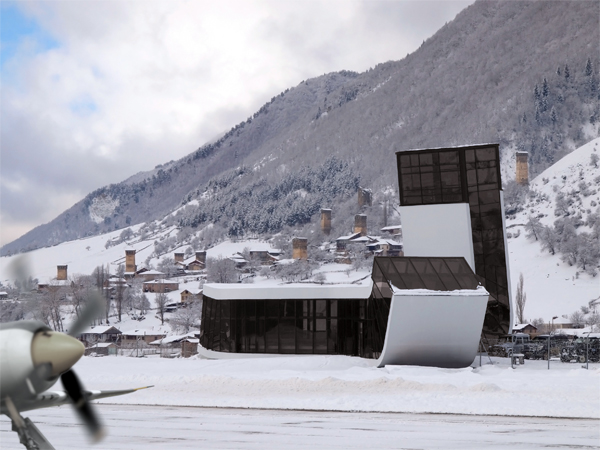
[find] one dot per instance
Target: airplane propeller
(84, 409)
(55, 353)
(93, 309)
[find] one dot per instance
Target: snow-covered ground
(341, 383)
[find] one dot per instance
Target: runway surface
(168, 427)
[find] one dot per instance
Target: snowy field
(161, 428)
(340, 383)
(331, 402)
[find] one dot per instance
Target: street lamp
(549, 335)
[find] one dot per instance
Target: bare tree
(550, 240)
(161, 301)
(521, 299)
(577, 319)
(101, 275)
(534, 228)
(220, 270)
(187, 317)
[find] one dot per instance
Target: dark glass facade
(302, 326)
(466, 175)
(354, 327)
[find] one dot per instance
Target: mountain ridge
(473, 81)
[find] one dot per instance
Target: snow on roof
(99, 329)
(520, 326)
(562, 320)
(479, 291)
(348, 237)
(391, 227)
(153, 272)
(294, 291)
(161, 281)
(104, 345)
(229, 248)
(144, 332)
(176, 338)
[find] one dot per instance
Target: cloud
(129, 85)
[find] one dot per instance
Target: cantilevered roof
(431, 273)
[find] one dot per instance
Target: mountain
(560, 205)
(524, 74)
(554, 286)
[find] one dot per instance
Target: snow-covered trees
(220, 270)
(534, 228)
(186, 317)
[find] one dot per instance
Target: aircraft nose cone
(58, 349)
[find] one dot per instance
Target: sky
(93, 92)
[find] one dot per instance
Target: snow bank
(342, 383)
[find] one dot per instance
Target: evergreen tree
(588, 68)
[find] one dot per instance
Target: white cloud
(134, 84)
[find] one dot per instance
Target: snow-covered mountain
(553, 287)
(568, 190)
(524, 74)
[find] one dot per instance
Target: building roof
(521, 326)
(100, 329)
(414, 273)
(176, 338)
(391, 227)
(144, 332)
(295, 291)
(103, 345)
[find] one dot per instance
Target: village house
(188, 296)
(149, 275)
(385, 247)
(161, 285)
(102, 349)
(186, 345)
(100, 333)
(141, 337)
(524, 328)
(394, 230)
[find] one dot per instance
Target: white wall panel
(438, 230)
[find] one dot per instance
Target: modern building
(452, 205)
(429, 307)
(434, 305)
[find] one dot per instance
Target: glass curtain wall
(354, 327)
(466, 175)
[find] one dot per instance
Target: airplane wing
(58, 398)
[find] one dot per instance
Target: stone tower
(522, 168)
(201, 256)
(130, 261)
(326, 221)
(300, 248)
(365, 197)
(61, 272)
(360, 224)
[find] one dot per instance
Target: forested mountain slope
(524, 74)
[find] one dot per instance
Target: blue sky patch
(15, 26)
(83, 106)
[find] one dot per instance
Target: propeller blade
(93, 309)
(20, 270)
(83, 407)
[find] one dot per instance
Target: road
(167, 427)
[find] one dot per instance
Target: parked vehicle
(580, 349)
(517, 343)
(538, 348)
